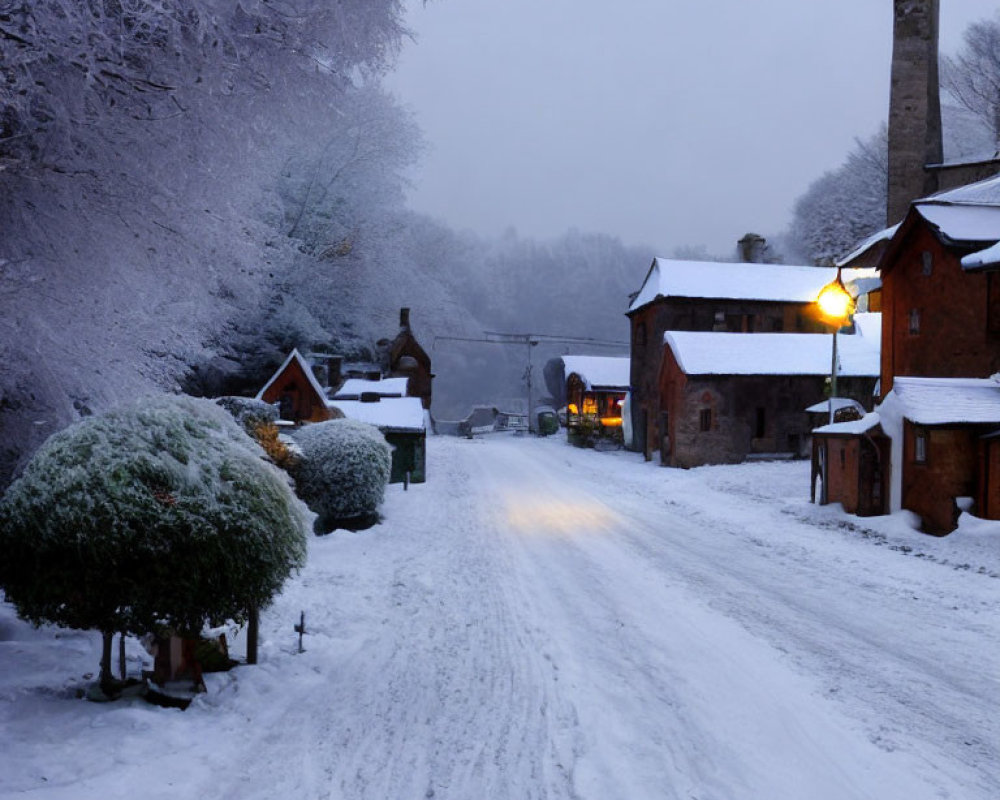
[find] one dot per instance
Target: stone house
(726, 397)
(708, 296)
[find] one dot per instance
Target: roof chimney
(914, 105)
(404, 318)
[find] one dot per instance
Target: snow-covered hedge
(162, 513)
(343, 472)
(250, 413)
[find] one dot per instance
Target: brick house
(940, 343)
(726, 397)
(681, 295)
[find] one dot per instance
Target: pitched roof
(705, 353)
(736, 281)
(942, 401)
(297, 357)
(880, 237)
(599, 371)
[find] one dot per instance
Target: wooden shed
(296, 391)
(851, 466)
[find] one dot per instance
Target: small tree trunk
(121, 656)
(107, 681)
(253, 628)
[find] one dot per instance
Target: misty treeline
(844, 206)
(189, 188)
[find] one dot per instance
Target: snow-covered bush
(342, 473)
(159, 514)
(249, 412)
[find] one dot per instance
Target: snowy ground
(539, 621)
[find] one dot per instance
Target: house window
(843, 458)
(927, 262)
(914, 321)
(761, 423)
(705, 419)
(920, 447)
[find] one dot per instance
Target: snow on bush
(343, 472)
(158, 514)
(249, 412)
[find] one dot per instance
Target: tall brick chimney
(914, 105)
(404, 318)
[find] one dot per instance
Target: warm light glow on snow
(539, 514)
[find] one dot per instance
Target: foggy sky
(664, 123)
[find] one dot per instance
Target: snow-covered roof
(963, 223)
(869, 325)
(353, 388)
(876, 238)
(942, 401)
(599, 371)
(705, 353)
(393, 413)
(984, 192)
(854, 427)
(838, 403)
(989, 257)
(736, 281)
(306, 368)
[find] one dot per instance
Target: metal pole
(529, 384)
(833, 374)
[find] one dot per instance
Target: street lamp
(836, 306)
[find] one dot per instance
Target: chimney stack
(914, 105)
(404, 318)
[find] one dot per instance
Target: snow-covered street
(539, 621)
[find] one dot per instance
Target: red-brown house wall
(842, 472)
(950, 471)
(953, 340)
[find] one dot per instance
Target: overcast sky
(665, 123)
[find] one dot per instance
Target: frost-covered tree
(140, 143)
(161, 514)
(343, 472)
(972, 76)
(843, 206)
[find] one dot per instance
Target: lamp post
(835, 306)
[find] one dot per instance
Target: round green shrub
(158, 514)
(342, 472)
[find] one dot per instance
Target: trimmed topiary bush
(342, 473)
(162, 514)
